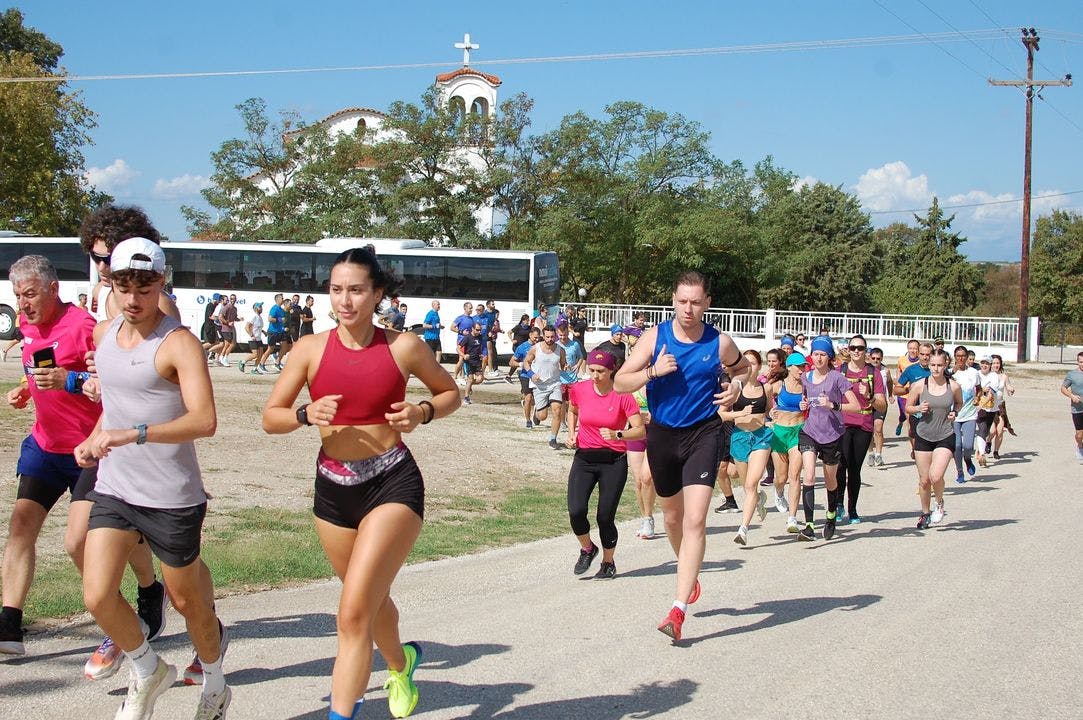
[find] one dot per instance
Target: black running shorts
(679, 457)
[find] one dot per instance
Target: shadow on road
(670, 568)
(781, 612)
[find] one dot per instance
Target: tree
(286, 181)
(926, 272)
(43, 127)
(1056, 268)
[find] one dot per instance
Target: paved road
(977, 618)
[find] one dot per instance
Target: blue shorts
(744, 442)
(45, 476)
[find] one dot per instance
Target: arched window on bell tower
(458, 109)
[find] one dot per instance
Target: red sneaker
(695, 592)
(671, 625)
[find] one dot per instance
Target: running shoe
(937, 514)
(996, 454)
(982, 460)
(11, 639)
(761, 504)
(970, 467)
(402, 694)
(855, 520)
(214, 707)
(646, 528)
(586, 557)
(142, 694)
(924, 520)
(606, 571)
(224, 362)
(105, 661)
(697, 590)
(898, 430)
(728, 506)
(671, 623)
(467, 400)
(150, 605)
(553, 444)
(879, 460)
(807, 534)
(960, 479)
(829, 529)
(741, 538)
(508, 379)
(193, 674)
(870, 460)
(791, 525)
(840, 511)
(4, 355)
(529, 425)
(781, 505)
(767, 481)
(240, 365)
(1079, 454)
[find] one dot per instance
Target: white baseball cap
(124, 256)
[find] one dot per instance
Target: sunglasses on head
(100, 258)
(858, 348)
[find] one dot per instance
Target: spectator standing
(431, 328)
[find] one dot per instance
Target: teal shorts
(743, 442)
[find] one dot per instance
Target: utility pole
(1030, 41)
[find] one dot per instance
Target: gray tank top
(934, 425)
(546, 367)
(154, 475)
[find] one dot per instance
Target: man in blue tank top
(680, 361)
(156, 400)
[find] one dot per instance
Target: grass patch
(257, 548)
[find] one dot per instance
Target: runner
(868, 387)
(156, 401)
(432, 328)
(615, 345)
(966, 415)
(910, 358)
(876, 457)
(912, 373)
(369, 500)
(470, 351)
(827, 395)
(1072, 388)
(641, 472)
(991, 387)
(996, 437)
(254, 328)
(932, 403)
(307, 317)
(679, 361)
(750, 443)
(57, 337)
(599, 422)
(461, 325)
(526, 393)
(789, 419)
(543, 364)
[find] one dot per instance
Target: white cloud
(1003, 206)
(802, 183)
(113, 179)
(892, 187)
(180, 187)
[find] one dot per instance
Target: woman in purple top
(828, 394)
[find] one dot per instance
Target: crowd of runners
(121, 392)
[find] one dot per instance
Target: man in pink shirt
(57, 338)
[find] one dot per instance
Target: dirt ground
(482, 451)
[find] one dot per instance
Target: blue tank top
(788, 401)
(685, 397)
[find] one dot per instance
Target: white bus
(517, 280)
(71, 263)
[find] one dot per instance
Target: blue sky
(894, 124)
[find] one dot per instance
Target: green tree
(43, 127)
(284, 180)
(1056, 267)
(926, 272)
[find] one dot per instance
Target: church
(465, 90)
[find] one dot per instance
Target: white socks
(144, 660)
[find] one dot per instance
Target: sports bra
(368, 379)
(788, 401)
(759, 404)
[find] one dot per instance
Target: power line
(796, 46)
(945, 21)
(1006, 33)
(973, 205)
(929, 38)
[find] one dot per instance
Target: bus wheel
(7, 323)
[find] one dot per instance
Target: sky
(895, 124)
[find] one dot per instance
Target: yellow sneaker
(402, 694)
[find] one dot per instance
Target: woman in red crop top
(369, 499)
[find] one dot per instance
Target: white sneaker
(646, 529)
(879, 460)
(938, 513)
(781, 505)
(741, 538)
(214, 707)
(1079, 454)
(142, 694)
(870, 460)
(461, 382)
(223, 362)
(791, 525)
(761, 504)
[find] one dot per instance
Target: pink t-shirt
(869, 375)
(611, 410)
(62, 420)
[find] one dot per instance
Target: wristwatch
(142, 437)
(620, 434)
(836, 406)
(302, 415)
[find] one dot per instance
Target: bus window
(278, 271)
(547, 279)
(483, 278)
(207, 269)
(422, 276)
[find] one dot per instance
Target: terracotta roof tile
(448, 76)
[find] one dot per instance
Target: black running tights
(610, 478)
(855, 446)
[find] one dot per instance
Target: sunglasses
(100, 258)
(858, 348)
(800, 338)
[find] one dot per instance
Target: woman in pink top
(596, 421)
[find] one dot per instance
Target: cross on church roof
(466, 46)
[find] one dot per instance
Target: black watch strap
(302, 415)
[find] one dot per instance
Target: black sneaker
(553, 444)
(729, 506)
(586, 557)
(606, 571)
(151, 609)
(924, 521)
(807, 534)
(829, 529)
(11, 639)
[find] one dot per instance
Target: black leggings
(855, 445)
(609, 471)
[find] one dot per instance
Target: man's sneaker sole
(672, 623)
(12, 647)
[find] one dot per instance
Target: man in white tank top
(545, 362)
(156, 401)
